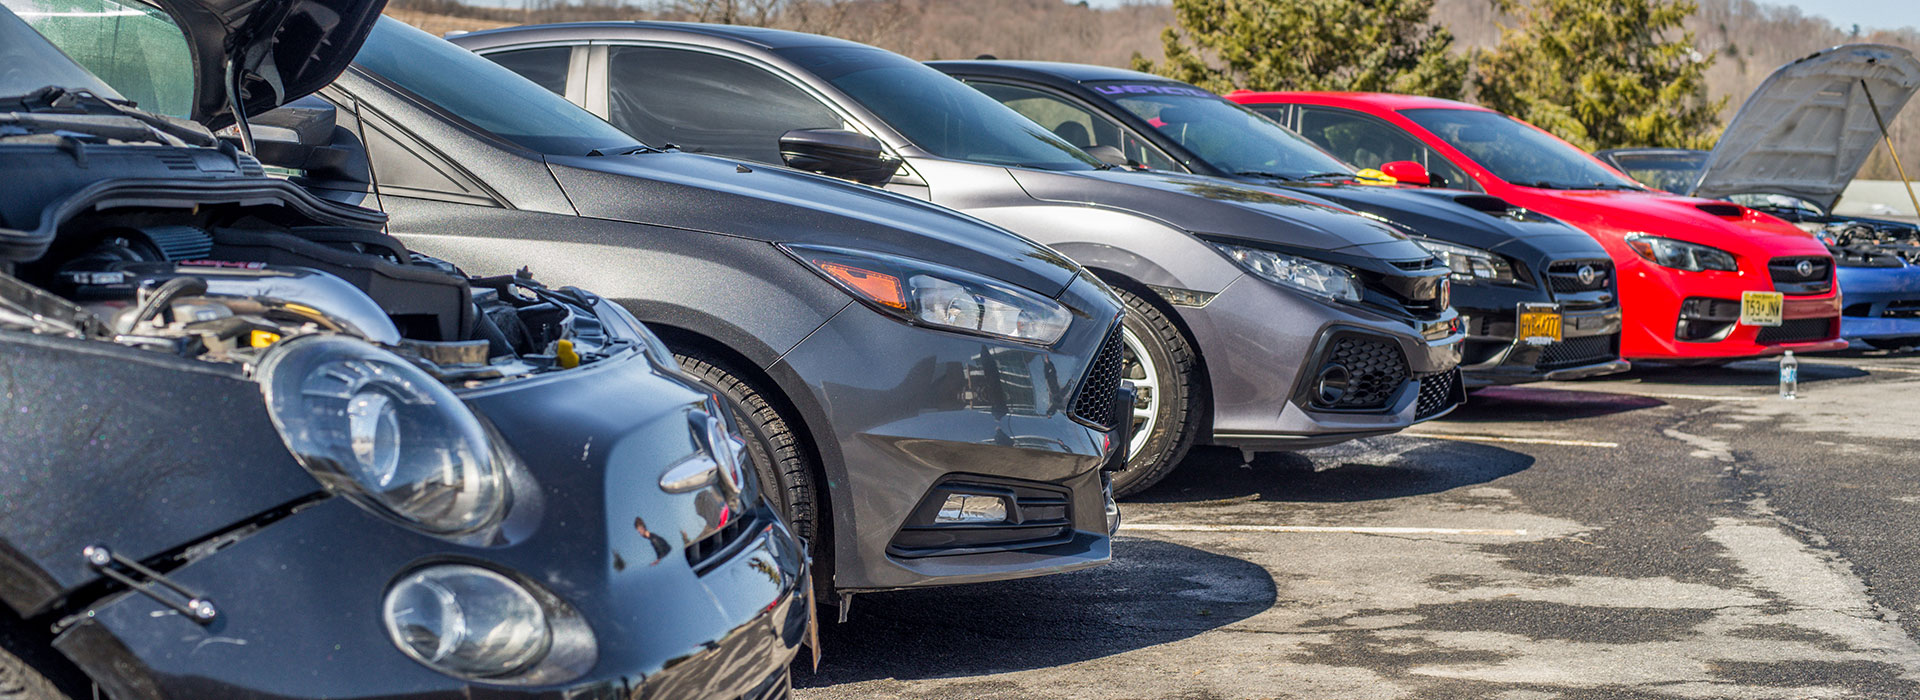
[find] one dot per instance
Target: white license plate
(1762, 308)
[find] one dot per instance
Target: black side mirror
(838, 153)
(1110, 155)
(302, 135)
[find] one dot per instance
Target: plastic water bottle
(1789, 376)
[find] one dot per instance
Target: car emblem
(1805, 268)
(1587, 274)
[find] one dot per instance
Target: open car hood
(1806, 131)
(286, 49)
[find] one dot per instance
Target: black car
(253, 447)
(934, 396)
(1508, 263)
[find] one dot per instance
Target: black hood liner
(287, 49)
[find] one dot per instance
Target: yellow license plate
(1539, 327)
(1761, 308)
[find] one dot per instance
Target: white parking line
(1519, 440)
(1196, 527)
(1866, 368)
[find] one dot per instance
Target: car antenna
(1888, 137)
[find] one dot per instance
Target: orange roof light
(882, 288)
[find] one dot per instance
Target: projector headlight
(372, 427)
(1681, 255)
(1311, 276)
(1470, 265)
(936, 295)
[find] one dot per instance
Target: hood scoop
(1725, 211)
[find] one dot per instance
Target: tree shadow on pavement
(1152, 593)
(1529, 403)
(1364, 470)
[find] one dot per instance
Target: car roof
(1377, 100)
(1073, 72)
(757, 37)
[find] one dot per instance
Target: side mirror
(302, 135)
(1407, 172)
(838, 153)
(1110, 155)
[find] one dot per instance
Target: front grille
(1094, 405)
(707, 551)
(1438, 392)
(1788, 279)
(1375, 371)
(1564, 277)
(1797, 330)
(1578, 352)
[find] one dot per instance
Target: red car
(1701, 280)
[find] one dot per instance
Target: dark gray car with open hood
(934, 396)
(254, 447)
(1257, 320)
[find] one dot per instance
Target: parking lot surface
(1669, 533)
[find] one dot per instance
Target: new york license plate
(1762, 308)
(1539, 326)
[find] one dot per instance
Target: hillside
(1747, 39)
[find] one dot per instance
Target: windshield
(936, 112)
(1224, 135)
(1672, 171)
(134, 48)
(485, 94)
(1516, 152)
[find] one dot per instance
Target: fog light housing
(467, 621)
(1333, 384)
(972, 508)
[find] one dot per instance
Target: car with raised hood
(935, 398)
(1256, 320)
(1536, 296)
(254, 447)
(1791, 151)
(1701, 281)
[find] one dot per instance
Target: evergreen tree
(1367, 45)
(1603, 73)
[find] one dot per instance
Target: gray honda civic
(1257, 319)
(935, 397)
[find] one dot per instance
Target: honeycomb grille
(1798, 330)
(1564, 276)
(1438, 392)
(1375, 367)
(1094, 405)
(1577, 352)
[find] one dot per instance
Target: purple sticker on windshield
(1182, 90)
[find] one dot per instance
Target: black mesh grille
(1797, 330)
(1564, 277)
(1094, 405)
(1438, 392)
(1788, 278)
(1375, 371)
(1577, 352)
(703, 553)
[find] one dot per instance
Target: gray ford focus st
(933, 396)
(1256, 320)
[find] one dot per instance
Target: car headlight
(475, 623)
(940, 296)
(371, 426)
(1310, 276)
(1469, 264)
(1681, 255)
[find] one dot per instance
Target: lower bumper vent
(1797, 330)
(1438, 392)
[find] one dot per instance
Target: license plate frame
(1762, 309)
(1539, 324)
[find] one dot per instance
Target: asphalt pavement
(1668, 533)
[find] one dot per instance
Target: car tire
(1893, 343)
(18, 681)
(1169, 394)
(782, 465)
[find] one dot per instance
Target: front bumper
(1653, 297)
(1494, 353)
(300, 599)
(909, 414)
(1880, 302)
(1252, 335)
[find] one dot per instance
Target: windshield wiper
(1262, 173)
(55, 107)
(1327, 176)
(625, 150)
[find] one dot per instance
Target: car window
(133, 47)
(1672, 171)
(545, 66)
(1228, 137)
(707, 103)
(937, 113)
(1076, 124)
(1366, 142)
(1516, 152)
(484, 94)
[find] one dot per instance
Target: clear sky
(1869, 14)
